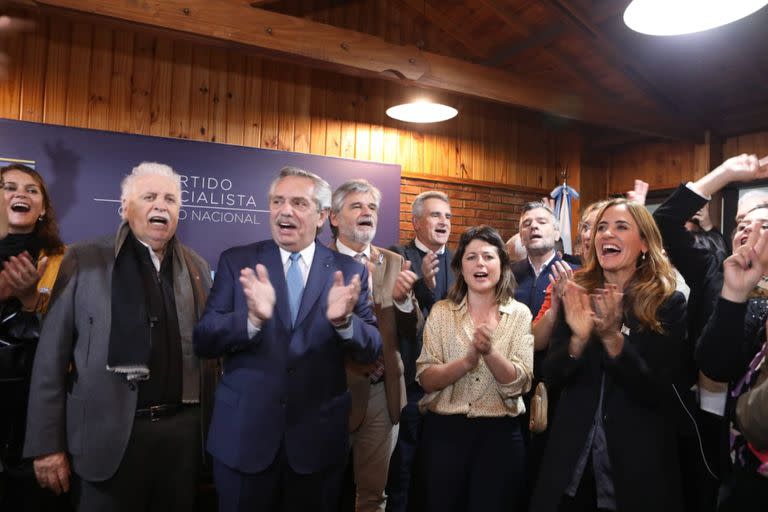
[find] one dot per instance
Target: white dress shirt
(306, 256)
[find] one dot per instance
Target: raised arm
(723, 349)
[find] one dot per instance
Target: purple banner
(224, 188)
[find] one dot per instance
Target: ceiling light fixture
(676, 17)
(422, 111)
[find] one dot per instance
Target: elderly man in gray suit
(115, 393)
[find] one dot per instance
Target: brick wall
(471, 204)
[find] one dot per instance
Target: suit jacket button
(132, 386)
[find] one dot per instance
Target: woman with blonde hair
(614, 354)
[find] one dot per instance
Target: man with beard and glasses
(378, 389)
(116, 388)
(285, 314)
(431, 261)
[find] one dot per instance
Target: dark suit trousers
(585, 499)
(403, 458)
(159, 471)
(278, 488)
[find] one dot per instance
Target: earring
(40, 218)
(642, 258)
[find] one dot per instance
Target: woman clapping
(475, 365)
(614, 354)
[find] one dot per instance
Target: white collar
(343, 249)
(423, 248)
(307, 254)
(537, 271)
(152, 255)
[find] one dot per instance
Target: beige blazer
(385, 267)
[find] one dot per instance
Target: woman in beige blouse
(475, 365)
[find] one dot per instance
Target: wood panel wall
(662, 165)
(78, 73)
(752, 143)
(666, 165)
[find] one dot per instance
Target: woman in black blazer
(613, 356)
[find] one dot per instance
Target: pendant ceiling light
(422, 111)
(676, 17)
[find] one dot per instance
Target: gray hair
(351, 187)
(148, 169)
(321, 190)
(535, 205)
(417, 206)
(750, 199)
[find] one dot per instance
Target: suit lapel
(412, 253)
(379, 271)
(319, 275)
(274, 264)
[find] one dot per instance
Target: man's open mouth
(158, 220)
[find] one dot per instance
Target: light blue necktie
(295, 286)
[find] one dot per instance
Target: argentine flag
(562, 196)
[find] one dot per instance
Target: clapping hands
(19, 278)
(342, 299)
(430, 266)
(404, 283)
(259, 294)
(599, 313)
(559, 277)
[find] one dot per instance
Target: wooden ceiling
(573, 59)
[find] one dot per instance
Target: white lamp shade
(422, 111)
(676, 17)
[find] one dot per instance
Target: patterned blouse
(447, 337)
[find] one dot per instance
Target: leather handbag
(539, 404)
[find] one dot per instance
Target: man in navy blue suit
(283, 320)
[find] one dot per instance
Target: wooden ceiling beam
(433, 16)
(234, 23)
(541, 38)
(568, 11)
(581, 76)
